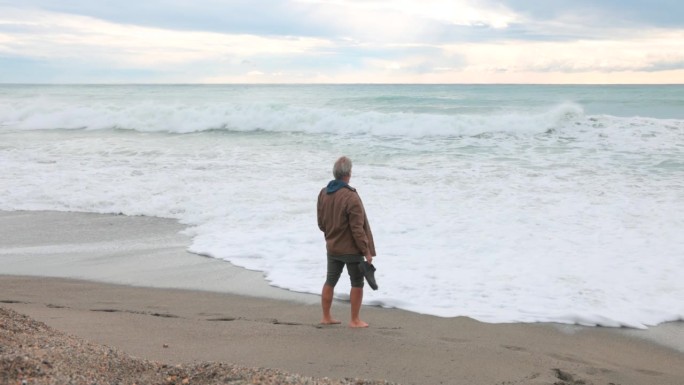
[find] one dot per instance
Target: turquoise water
(656, 101)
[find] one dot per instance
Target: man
(348, 239)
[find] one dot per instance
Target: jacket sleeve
(357, 221)
(319, 211)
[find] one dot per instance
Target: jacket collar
(337, 184)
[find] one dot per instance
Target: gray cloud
(605, 13)
(26, 70)
(665, 66)
(260, 17)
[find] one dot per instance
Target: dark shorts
(336, 265)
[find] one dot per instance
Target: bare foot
(330, 321)
(357, 324)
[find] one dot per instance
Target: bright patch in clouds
(459, 12)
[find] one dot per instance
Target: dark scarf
(337, 184)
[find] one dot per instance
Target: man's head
(342, 168)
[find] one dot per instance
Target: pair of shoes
(368, 271)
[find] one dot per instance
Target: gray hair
(342, 167)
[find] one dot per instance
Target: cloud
(457, 12)
(41, 34)
(258, 17)
(339, 41)
(578, 56)
(665, 65)
(605, 13)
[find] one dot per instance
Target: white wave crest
(180, 118)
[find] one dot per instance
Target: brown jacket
(342, 218)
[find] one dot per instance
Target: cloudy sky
(341, 41)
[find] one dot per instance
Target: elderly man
(348, 239)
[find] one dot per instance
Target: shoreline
(119, 249)
(136, 288)
(152, 252)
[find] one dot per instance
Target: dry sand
(225, 319)
(34, 353)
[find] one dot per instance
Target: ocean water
(501, 203)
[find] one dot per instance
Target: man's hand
(369, 258)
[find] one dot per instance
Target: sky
(342, 41)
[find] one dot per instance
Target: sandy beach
(128, 283)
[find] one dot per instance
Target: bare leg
(326, 304)
(356, 296)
